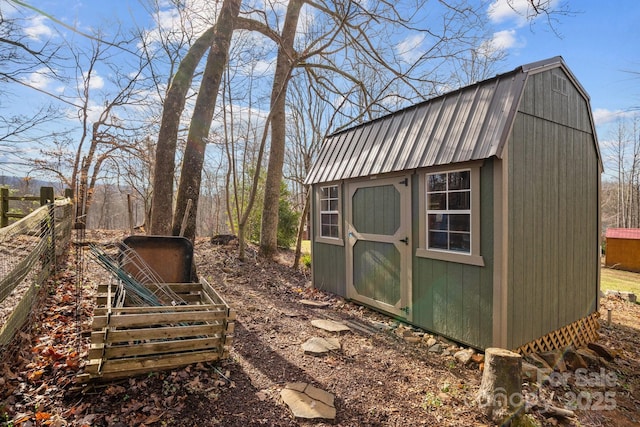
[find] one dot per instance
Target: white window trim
(473, 258)
(318, 226)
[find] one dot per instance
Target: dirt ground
(383, 375)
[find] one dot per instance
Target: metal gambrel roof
(470, 123)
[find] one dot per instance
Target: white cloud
(499, 42)
(307, 19)
(504, 39)
(36, 29)
(169, 23)
(96, 82)
(39, 79)
(602, 116)
(500, 10)
(517, 11)
(410, 48)
(264, 67)
(94, 111)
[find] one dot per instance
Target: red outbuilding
(623, 248)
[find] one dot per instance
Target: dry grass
(619, 280)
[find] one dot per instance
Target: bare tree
(623, 158)
(531, 9)
(244, 150)
(190, 176)
(305, 136)
(356, 47)
(103, 131)
(173, 106)
(133, 167)
(348, 59)
(22, 58)
(284, 67)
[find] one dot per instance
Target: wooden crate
(127, 341)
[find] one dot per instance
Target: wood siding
(452, 299)
(553, 180)
(328, 263)
(327, 260)
(623, 254)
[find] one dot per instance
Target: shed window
(449, 211)
(329, 212)
(450, 220)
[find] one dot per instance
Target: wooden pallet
(127, 341)
(576, 334)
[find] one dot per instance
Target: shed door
(378, 246)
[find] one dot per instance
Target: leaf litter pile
(381, 376)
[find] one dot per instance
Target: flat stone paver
(319, 346)
(311, 303)
(330, 325)
(307, 401)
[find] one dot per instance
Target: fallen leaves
(114, 390)
(36, 381)
(34, 376)
(42, 416)
(43, 359)
(37, 374)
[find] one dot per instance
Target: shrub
(305, 260)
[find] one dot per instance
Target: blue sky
(598, 41)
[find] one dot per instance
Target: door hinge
(405, 182)
(405, 240)
(405, 310)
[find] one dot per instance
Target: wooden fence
(29, 249)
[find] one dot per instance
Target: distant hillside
(32, 186)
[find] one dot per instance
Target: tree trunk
(164, 169)
(303, 221)
(500, 394)
(284, 65)
(191, 174)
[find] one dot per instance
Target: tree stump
(500, 394)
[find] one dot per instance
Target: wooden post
(183, 226)
(47, 198)
(500, 394)
(46, 195)
(4, 207)
(130, 210)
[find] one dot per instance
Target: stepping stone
(307, 401)
(290, 314)
(311, 303)
(319, 346)
(330, 325)
(602, 351)
(464, 356)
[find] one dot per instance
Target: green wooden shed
(474, 215)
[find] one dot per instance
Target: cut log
(500, 394)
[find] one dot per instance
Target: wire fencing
(29, 250)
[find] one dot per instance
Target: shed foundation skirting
(577, 334)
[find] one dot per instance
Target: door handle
(405, 240)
